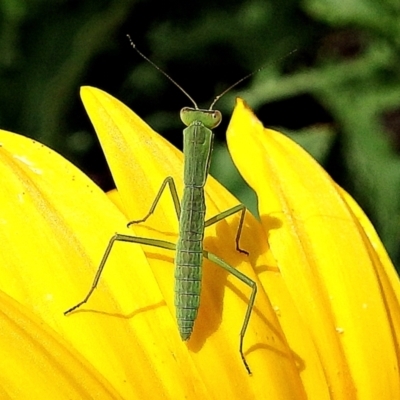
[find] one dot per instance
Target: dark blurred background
(338, 94)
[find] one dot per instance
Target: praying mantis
(190, 211)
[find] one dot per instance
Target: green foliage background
(338, 94)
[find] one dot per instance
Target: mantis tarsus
(197, 148)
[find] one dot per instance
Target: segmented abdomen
(189, 259)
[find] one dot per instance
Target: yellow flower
(326, 319)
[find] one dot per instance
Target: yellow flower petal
(55, 226)
(36, 363)
(326, 260)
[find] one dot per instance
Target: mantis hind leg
(225, 214)
(135, 239)
(171, 183)
(249, 282)
(119, 238)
